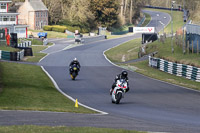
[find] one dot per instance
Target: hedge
(62, 29)
(47, 28)
(58, 28)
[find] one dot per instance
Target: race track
(150, 105)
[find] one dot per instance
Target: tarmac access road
(150, 105)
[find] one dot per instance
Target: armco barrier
(13, 56)
(93, 39)
(164, 8)
(119, 33)
(181, 70)
(142, 21)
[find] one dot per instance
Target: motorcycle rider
(123, 75)
(75, 62)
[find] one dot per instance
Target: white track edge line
(147, 76)
(57, 87)
(46, 53)
(144, 75)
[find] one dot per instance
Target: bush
(62, 29)
(66, 22)
(72, 29)
(75, 25)
(47, 28)
(85, 30)
(58, 28)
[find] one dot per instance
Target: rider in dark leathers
(75, 61)
(123, 75)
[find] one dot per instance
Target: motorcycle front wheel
(118, 97)
(73, 76)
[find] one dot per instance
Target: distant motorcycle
(119, 91)
(74, 71)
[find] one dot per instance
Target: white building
(9, 22)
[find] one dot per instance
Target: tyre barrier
(181, 70)
(26, 47)
(12, 56)
(24, 44)
(27, 51)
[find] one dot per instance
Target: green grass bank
(61, 129)
(27, 87)
(164, 51)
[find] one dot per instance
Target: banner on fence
(144, 30)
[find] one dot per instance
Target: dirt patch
(123, 58)
(26, 58)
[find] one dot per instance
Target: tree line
(93, 13)
(106, 13)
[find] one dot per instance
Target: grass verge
(36, 41)
(125, 52)
(9, 49)
(50, 34)
(61, 129)
(37, 55)
(143, 68)
(164, 52)
(147, 20)
(26, 87)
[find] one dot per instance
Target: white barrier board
(144, 29)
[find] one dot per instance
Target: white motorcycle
(119, 91)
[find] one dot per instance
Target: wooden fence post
(188, 47)
(184, 48)
(197, 47)
(192, 46)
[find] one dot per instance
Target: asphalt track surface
(150, 105)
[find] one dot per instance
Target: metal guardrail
(142, 21)
(181, 70)
(164, 8)
(119, 33)
(94, 39)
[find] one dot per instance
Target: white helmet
(75, 59)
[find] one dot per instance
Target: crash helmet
(124, 74)
(75, 59)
